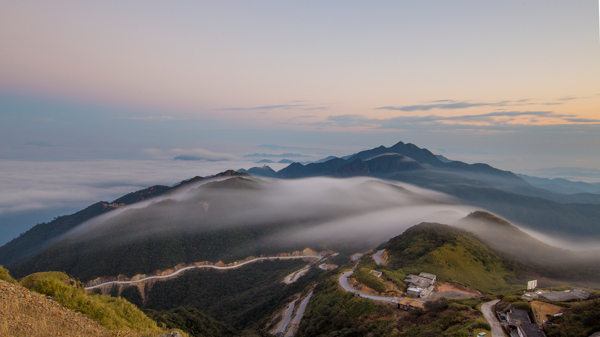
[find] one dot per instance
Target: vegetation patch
(582, 320)
(192, 321)
(364, 276)
(334, 312)
(113, 313)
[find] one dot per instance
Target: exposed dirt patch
(541, 309)
(453, 291)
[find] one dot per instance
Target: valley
(212, 255)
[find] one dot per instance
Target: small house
(420, 286)
(408, 303)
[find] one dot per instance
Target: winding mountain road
(343, 280)
(486, 309)
(377, 257)
(204, 266)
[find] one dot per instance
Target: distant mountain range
(560, 185)
(570, 216)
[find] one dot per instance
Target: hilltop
(454, 255)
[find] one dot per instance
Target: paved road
(205, 266)
(377, 257)
(344, 283)
(299, 315)
(293, 277)
(286, 318)
(486, 309)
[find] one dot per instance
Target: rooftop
(565, 296)
(581, 293)
(518, 316)
(418, 281)
(428, 276)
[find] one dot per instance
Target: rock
(172, 334)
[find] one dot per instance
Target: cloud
(278, 147)
(307, 107)
(203, 154)
(269, 155)
(583, 120)
(455, 105)
(499, 120)
(38, 185)
(151, 118)
(41, 144)
(449, 104)
(190, 154)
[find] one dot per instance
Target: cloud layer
(44, 185)
(499, 120)
(447, 104)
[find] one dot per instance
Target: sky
(134, 84)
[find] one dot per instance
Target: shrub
(510, 299)
(522, 305)
(477, 324)
(456, 331)
(5, 276)
(437, 306)
(459, 307)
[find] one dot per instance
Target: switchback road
(204, 266)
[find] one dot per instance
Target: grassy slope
(576, 267)
(116, 314)
(453, 255)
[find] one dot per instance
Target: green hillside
(116, 314)
(454, 255)
(576, 267)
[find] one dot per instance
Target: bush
(522, 305)
(5, 276)
(510, 299)
(437, 306)
(477, 324)
(133, 295)
(459, 307)
(456, 331)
